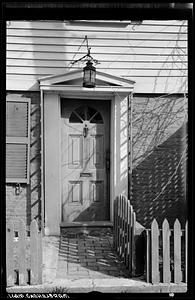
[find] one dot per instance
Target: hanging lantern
(89, 71)
(89, 74)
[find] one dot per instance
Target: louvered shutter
(17, 139)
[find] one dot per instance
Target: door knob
(85, 130)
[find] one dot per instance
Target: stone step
(92, 228)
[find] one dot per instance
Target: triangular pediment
(75, 78)
(79, 81)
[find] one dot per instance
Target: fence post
(118, 224)
(148, 255)
(40, 257)
(166, 251)
(114, 226)
(10, 254)
(155, 251)
(126, 231)
(123, 226)
(177, 252)
(34, 252)
(22, 253)
(130, 212)
(186, 251)
(133, 259)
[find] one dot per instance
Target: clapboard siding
(98, 42)
(116, 25)
(168, 51)
(150, 51)
(98, 36)
(117, 35)
(154, 65)
(125, 72)
(51, 56)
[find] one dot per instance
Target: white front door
(85, 160)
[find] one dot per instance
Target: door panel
(85, 142)
(75, 192)
(96, 151)
(97, 190)
(75, 153)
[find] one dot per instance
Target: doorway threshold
(81, 229)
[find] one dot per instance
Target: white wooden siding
(154, 54)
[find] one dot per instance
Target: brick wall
(159, 158)
(27, 205)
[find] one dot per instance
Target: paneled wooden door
(85, 160)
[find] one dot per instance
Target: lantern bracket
(87, 57)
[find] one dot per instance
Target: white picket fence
(23, 255)
(124, 231)
(172, 265)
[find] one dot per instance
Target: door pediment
(73, 80)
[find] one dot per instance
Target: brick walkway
(91, 257)
(84, 257)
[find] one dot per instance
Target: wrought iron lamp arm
(87, 55)
(90, 58)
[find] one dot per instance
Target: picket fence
(124, 231)
(23, 255)
(166, 253)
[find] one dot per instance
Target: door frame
(51, 144)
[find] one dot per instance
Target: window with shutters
(17, 139)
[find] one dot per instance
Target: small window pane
(74, 118)
(86, 113)
(97, 119)
(91, 112)
(81, 112)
